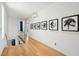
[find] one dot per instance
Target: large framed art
(70, 23)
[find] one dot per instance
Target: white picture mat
(71, 27)
(55, 23)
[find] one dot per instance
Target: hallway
(39, 28)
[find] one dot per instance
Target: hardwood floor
(32, 47)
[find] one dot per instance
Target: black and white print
(44, 25)
(70, 23)
(31, 26)
(34, 26)
(38, 25)
(53, 24)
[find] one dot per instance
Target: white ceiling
(25, 9)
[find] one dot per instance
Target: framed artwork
(53, 24)
(44, 25)
(34, 26)
(31, 26)
(38, 25)
(70, 23)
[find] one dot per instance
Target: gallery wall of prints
(69, 23)
(45, 25)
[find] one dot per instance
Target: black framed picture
(34, 26)
(70, 23)
(44, 25)
(38, 25)
(53, 24)
(31, 26)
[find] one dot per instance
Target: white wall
(66, 42)
(3, 41)
(5, 21)
(14, 28)
(1, 44)
(0, 21)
